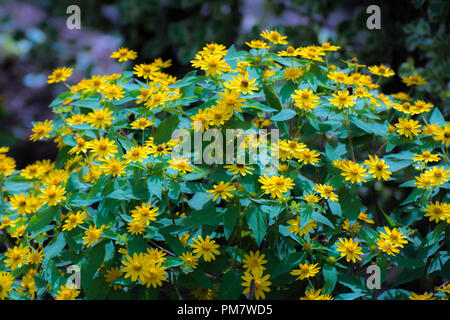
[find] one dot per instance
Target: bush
(134, 217)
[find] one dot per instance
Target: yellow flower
(364, 217)
(387, 246)
(137, 154)
(100, 118)
(80, 147)
(35, 256)
(349, 249)
(74, 219)
(159, 150)
(424, 296)
(304, 230)
(326, 192)
(155, 275)
(114, 167)
(315, 295)
(136, 267)
(102, 148)
(66, 293)
(145, 70)
(59, 74)
(352, 228)
(353, 172)
(305, 99)
(41, 130)
(189, 259)
(274, 37)
(53, 195)
(378, 168)
(112, 91)
(258, 44)
(401, 96)
(19, 203)
(239, 168)
(222, 190)
(408, 127)
(394, 236)
(289, 52)
(437, 211)
(311, 198)
(141, 123)
(256, 284)
(276, 185)
(242, 83)
(205, 248)
(17, 256)
(308, 156)
(381, 71)
(145, 213)
(6, 280)
(326, 46)
(124, 54)
(92, 235)
(413, 80)
(292, 73)
(338, 76)
(427, 156)
(113, 274)
(136, 227)
(180, 164)
(254, 261)
(443, 134)
(305, 271)
(342, 99)
(213, 64)
(437, 175)
(203, 293)
(230, 101)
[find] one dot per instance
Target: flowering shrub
(139, 221)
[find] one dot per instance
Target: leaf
(98, 289)
(271, 98)
(350, 204)
(41, 219)
(201, 279)
(330, 276)
(173, 242)
(92, 262)
(437, 118)
(166, 127)
(320, 218)
(257, 221)
(55, 248)
(230, 219)
(230, 288)
(284, 115)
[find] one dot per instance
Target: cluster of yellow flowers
(116, 188)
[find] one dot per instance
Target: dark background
(34, 40)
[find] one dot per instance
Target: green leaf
(257, 221)
(98, 289)
(41, 219)
(201, 279)
(271, 98)
(330, 277)
(91, 264)
(230, 219)
(230, 288)
(165, 129)
(437, 117)
(320, 218)
(350, 204)
(284, 115)
(174, 244)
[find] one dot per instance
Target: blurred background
(34, 40)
